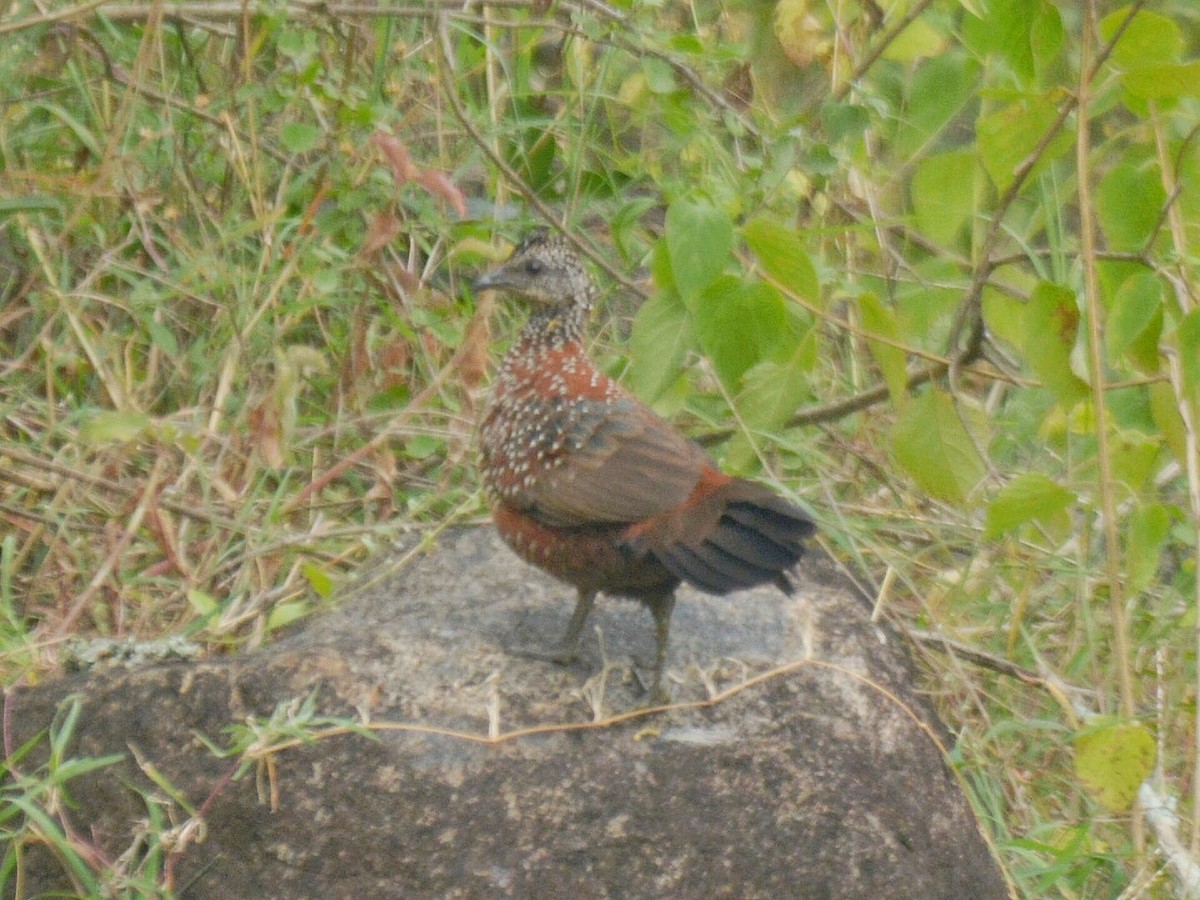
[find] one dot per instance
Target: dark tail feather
(757, 540)
(781, 522)
(684, 562)
(743, 542)
(716, 570)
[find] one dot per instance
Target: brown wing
(619, 462)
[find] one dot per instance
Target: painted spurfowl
(590, 485)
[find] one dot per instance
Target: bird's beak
(490, 281)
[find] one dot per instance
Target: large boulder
(797, 760)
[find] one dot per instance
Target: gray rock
(798, 761)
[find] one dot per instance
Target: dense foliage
(926, 265)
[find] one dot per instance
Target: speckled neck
(551, 328)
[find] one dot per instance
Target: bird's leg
(568, 649)
(661, 608)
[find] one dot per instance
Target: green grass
(239, 353)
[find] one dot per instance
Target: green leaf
(699, 237)
(327, 280)
(537, 157)
(772, 391)
(1137, 303)
(203, 603)
(660, 267)
(925, 307)
(1164, 81)
(1026, 34)
(844, 121)
(1005, 316)
(1051, 325)
(943, 194)
(782, 255)
(286, 613)
(1188, 335)
(818, 159)
(1149, 38)
(318, 579)
(918, 40)
(739, 324)
(1129, 204)
(83, 134)
(1169, 422)
(1143, 352)
(931, 443)
(1134, 456)
(74, 767)
(940, 89)
(660, 77)
(1046, 39)
(1112, 761)
(114, 427)
(423, 446)
(293, 44)
(661, 334)
(1144, 538)
(50, 831)
(30, 203)
(879, 320)
(1029, 497)
(299, 137)
(1008, 136)
(162, 338)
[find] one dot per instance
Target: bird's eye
(533, 266)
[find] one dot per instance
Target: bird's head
(543, 269)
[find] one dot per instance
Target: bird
(590, 485)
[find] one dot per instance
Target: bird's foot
(656, 692)
(657, 696)
(561, 655)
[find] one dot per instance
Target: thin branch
(450, 90)
(114, 487)
(1188, 408)
(235, 10)
(969, 318)
(61, 15)
(978, 657)
(1095, 353)
(838, 409)
(880, 46)
(1161, 817)
(149, 491)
